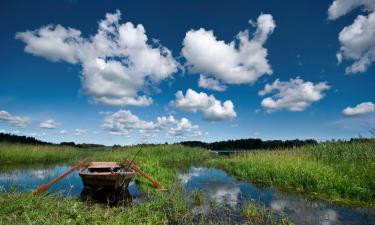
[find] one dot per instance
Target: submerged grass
(340, 172)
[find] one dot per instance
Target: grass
(255, 215)
(339, 172)
(161, 162)
(33, 154)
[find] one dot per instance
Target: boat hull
(107, 179)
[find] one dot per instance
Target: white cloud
(357, 40)
(16, 121)
(227, 62)
(48, 124)
(183, 127)
(123, 122)
(79, 132)
(117, 62)
(35, 134)
(10, 131)
(339, 8)
(294, 95)
(165, 121)
(63, 132)
(212, 109)
(360, 109)
(210, 83)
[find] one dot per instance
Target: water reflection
(27, 179)
(227, 191)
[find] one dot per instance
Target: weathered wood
(106, 174)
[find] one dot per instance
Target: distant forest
(17, 139)
(249, 143)
(12, 138)
(244, 144)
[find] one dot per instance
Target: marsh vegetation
(338, 172)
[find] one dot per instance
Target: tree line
(250, 143)
(18, 139)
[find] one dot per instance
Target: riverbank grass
(339, 172)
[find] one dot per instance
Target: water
(232, 194)
(27, 179)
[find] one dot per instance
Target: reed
(340, 172)
(32, 154)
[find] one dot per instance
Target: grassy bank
(340, 172)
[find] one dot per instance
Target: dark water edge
(233, 194)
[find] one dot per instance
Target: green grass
(33, 154)
(161, 162)
(340, 172)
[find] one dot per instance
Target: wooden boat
(106, 175)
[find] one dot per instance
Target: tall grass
(28, 154)
(342, 172)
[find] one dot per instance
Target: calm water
(233, 194)
(26, 179)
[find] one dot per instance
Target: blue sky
(304, 69)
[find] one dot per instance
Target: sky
(127, 72)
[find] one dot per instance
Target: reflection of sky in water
(226, 190)
(29, 179)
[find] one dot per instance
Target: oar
(156, 184)
(42, 188)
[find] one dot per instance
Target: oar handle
(45, 187)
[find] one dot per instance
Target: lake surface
(27, 179)
(233, 194)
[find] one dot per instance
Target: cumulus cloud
(48, 124)
(210, 83)
(339, 8)
(63, 132)
(183, 126)
(79, 132)
(294, 95)
(243, 60)
(360, 109)
(117, 62)
(357, 40)
(123, 122)
(211, 108)
(17, 121)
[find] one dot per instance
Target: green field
(342, 172)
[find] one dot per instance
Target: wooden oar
(42, 188)
(156, 184)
